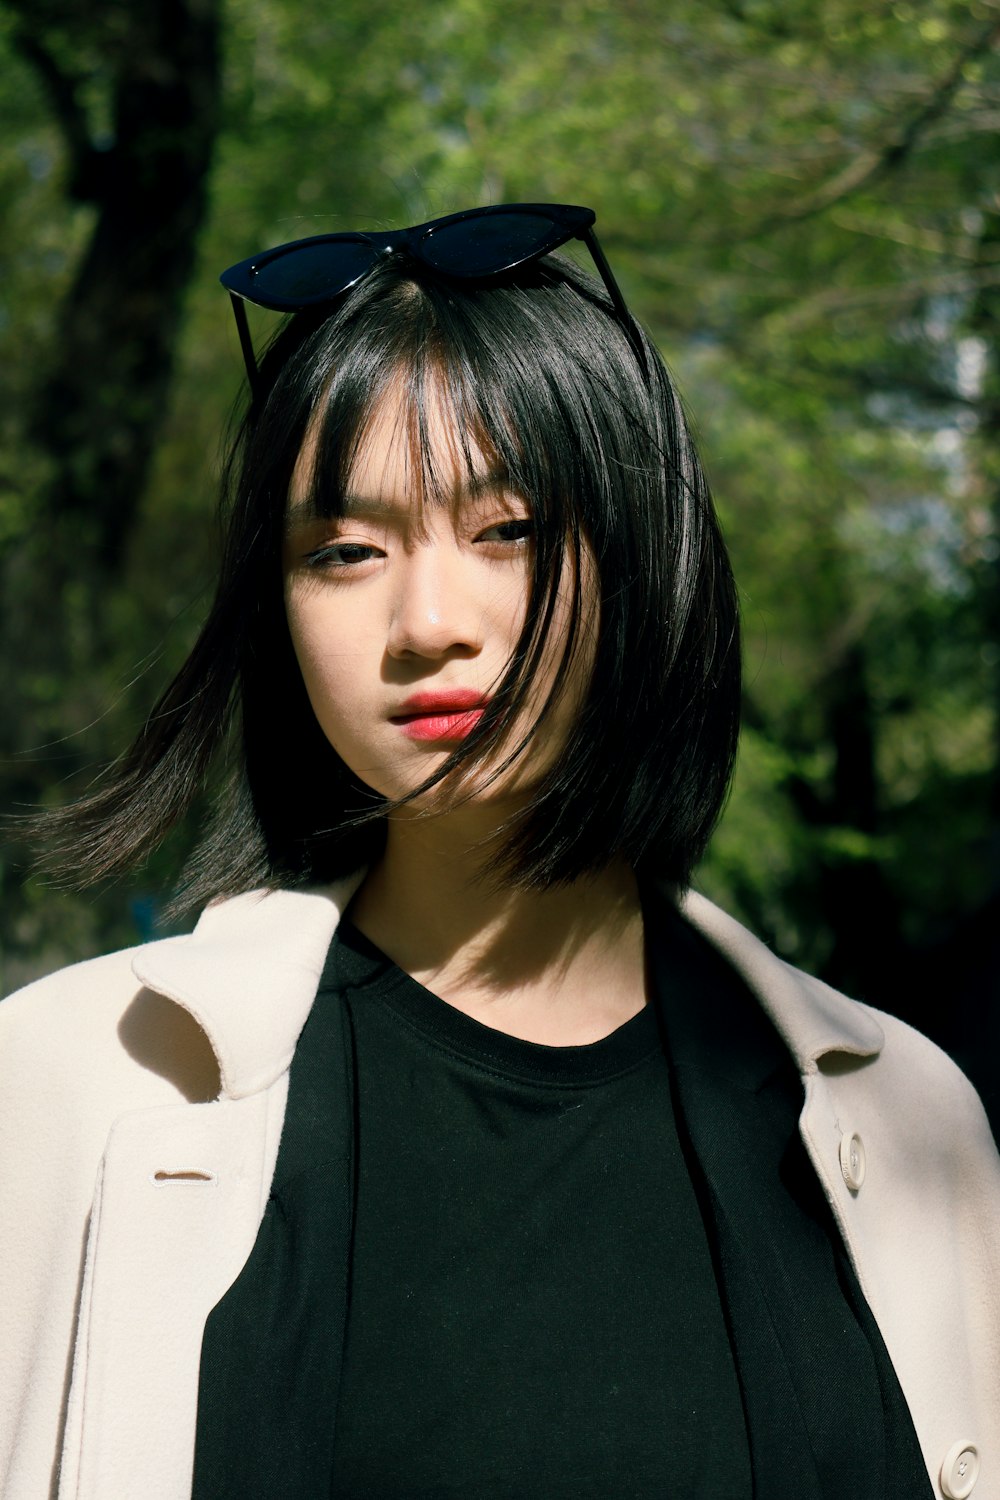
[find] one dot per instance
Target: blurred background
(800, 198)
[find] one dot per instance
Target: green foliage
(800, 199)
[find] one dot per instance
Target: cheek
(307, 642)
(329, 671)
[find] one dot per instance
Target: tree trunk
(857, 903)
(100, 409)
(103, 388)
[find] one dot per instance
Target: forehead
(411, 447)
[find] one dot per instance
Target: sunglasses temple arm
(246, 343)
(617, 300)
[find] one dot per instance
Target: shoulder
(74, 1001)
(934, 1109)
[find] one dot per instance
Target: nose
(436, 610)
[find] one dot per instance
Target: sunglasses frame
(568, 221)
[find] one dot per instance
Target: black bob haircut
(538, 373)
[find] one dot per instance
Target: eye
(342, 555)
(518, 530)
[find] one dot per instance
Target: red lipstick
(445, 715)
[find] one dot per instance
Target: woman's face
(404, 614)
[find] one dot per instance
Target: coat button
(959, 1471)
(852, 1160)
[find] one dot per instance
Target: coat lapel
(785, 1285)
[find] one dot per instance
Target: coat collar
(249, 971)
(812, 1018)
(248, 974)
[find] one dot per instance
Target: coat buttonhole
(161, 1177)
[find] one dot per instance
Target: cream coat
(132, 1185)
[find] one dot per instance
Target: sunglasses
(477, 245)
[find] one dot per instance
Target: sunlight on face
(405, 612)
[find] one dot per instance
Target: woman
(498, 1187)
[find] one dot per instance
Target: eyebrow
(355, 505)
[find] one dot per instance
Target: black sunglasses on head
(477, 244)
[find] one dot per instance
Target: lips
(440, 716)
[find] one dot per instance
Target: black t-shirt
(489, 1268)
(533, 1305)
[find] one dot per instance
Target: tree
(798, 198)
(133, 88)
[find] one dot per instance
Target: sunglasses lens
(310, 273)
(487, 243)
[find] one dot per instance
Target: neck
(562, 966)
